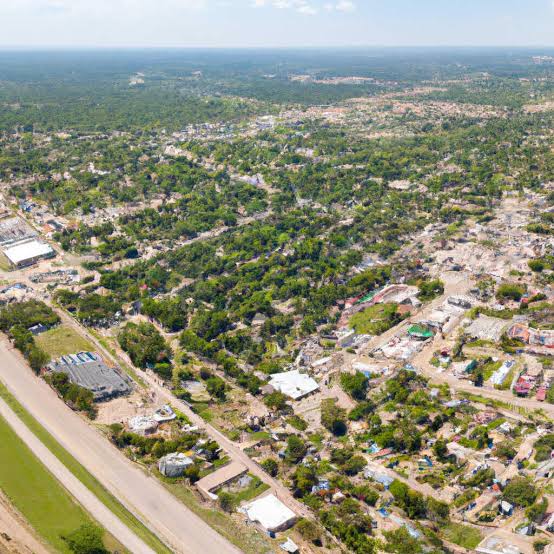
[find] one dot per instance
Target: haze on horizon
(275, 23)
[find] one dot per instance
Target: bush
(309, 531)
(270, 466)
(87, 539)
(510, 291)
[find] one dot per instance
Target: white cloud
(301, 6)
(345, 6)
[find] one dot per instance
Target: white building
(270, 513)
(27, 253)
(294, 384)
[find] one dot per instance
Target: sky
(275, 23)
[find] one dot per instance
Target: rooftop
(293, 384)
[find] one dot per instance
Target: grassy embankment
(83, 475)
(38, 496)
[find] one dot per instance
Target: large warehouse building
(27, 253)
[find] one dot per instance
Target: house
(270, 513)
(214, 481)
(505, 508)
(520, 332)
(420, 332)
(289, 546)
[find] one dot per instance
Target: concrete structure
(87, 370)
(143, 425)
(270, 513)
(13, 230)
(214, 481)
(23, 254)
(487, 328)
(175, 464)
(294, 384)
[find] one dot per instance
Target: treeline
(18, 318)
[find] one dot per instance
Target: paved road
(140, 493)
(83, 495)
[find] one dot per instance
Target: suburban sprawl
(297, 302)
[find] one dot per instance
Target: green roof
(420, 331)
(369, 296)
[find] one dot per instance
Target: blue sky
(270, 23)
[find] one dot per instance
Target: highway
(143, 495)
(83, 495)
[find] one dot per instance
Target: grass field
(62, 340)
(462, 535)
(375, 320)
(36, 494)
(83, 475)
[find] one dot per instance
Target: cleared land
(62, 340)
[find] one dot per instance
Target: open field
(62, 340)
(83, 475)
(463, 535)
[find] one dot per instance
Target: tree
(333, 418)
(226, 501)
(309, 531)
(355, 384)
(436, 510)
(400, 541)
(440, 449)
(536, 512)
(303, 479)
(276, 401)
(216, 387)
(505, 450)
(520, 492)
(296, 449)
(87, 539)
(37, 358)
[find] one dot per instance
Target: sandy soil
(16, 536)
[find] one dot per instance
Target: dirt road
(16, 536)
(142, 495)
(83, 495)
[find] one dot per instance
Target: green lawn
(83, 475)
(32, 489)
(375, 320)
(62, 340)
(462, 535)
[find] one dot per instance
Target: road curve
(83, 495)
(144, 496)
